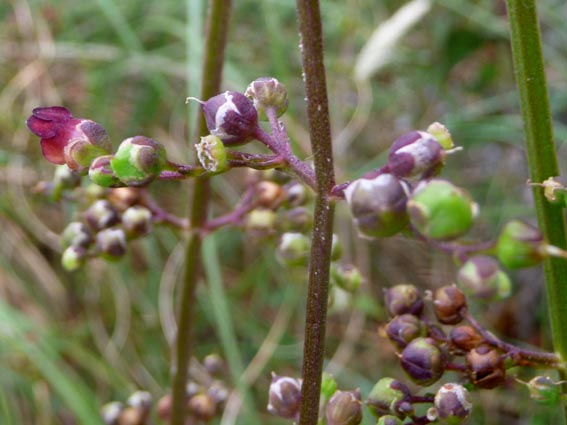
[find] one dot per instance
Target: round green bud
(336, 248)
(293, 249)
(267, 92)
(442, 134)
(482, 277)
(261, 222)
(79, 153)
(440, 210)
(73, 257)
(101, 173)
(346, 276)
(138, 160)
(452, 404)
(520, 245)
(328, 386)
(390, 397)
(344, 408)
(212, 154)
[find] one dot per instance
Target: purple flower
(58, 130)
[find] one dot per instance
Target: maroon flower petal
(53, 149)
(53, 113)
(42, 128)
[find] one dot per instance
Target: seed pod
(137, 221)
(482, 277)
(423, 361)
(267, 92)
(284, 397)
(231, 116)
(448, 304)
(212, 154)
(465, 337)
(344, 408)
(138, 160)
(378, 205)
(544, 391)
(202, 407)
(101, 173)
(485, 367)
(73, 258)
(76, 234)
(293, 249)
(440, 210)
(401, 330)
(520, 245)
(452, 403)
(111, 243)
(101, 215)
(416, 154)
(402, 299)
(390, 397)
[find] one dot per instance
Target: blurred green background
(70, 342)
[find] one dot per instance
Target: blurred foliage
(72, 342)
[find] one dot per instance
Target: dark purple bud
(452, 404)
(448, 304)
(465, 337)
(486, 367)
(390, 397)
(231, 117)
(344, 408)
(202, 407)
(423, 361)
(137, 221)
(284, 397)
(416, 154)
(402, 299)
(111, 243)
(401, 330)
(76, 234)
(101, 214)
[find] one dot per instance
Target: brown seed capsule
(485, 367)
(448, 304)
(465, 337)
(423, 361)
(402, 299)
(403, 329)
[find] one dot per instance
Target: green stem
(309, 18)
(217, 27)
(534, 102)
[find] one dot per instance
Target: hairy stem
(542, 161)
(310, 31)
(217, 27)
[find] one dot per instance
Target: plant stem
(217, 27)
(310, 31)
(542, 161)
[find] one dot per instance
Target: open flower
(66, 139)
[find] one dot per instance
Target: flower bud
(520, 245)
(440, 210)
(401, 330)
(267, 92)
(111, 411)
(111, 243)
(137, 221)
(218, 392)
(298, 219)
(268, 194)
(138, 160)
(465, 337)
(231, 116)
(63, 178)
(284, 397)
(101, 173)
(202, 407)
(485, 367)
(378, 205)
(390, 397)
(544, 391)
(482, 277)
(214, 364)
(141, 401)
(344, 408)
(101, 215)
(261, 222)
(448, 304)
(423, 361)
(336, 248)
(402, 299)
(76, 234)
(73, 258)
(295, 194)
(124, 197)
(452, 403)
(293, 249)
(346, 276)
(441, 134)
(416, 154)
(328, 386)
(389, 420)
(163, 407)
(79, 153)
(212, 154)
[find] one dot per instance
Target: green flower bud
(267, 92)
(346, 276)
(101, 214)
(76, 234)
(442, 134)
(378, 205)
(79, 153)
(212, 154)
(389, 420)
(73, 258)
(284, 397)
(138, 160)
(544, 391)
(440, 210)
(423, 361)
(336, 248)
(401, 330)
(137, 221)
(101, 173)
(465, 337)
(485, 367)
(482, 277)
(261, 222)
(402, 299)
(448, 304)
(111, 243)
(344, 408)
(390, 397)
(328, 386)
(293, 249)
(452, 404)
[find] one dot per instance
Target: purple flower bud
(111, 243)
(293, 249)
(344, 408)
(101, 214)
(486, 367)
(58, 128)
(414, 154)
(423, 361)
(452, 404)
(402, 299)
(284, 397)
(141, 402)
(520, 245)
(231, 116)
(401, 330)
(390, 397)
(448, 304)
(76, 234)
(214, 364)
(137, 221)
